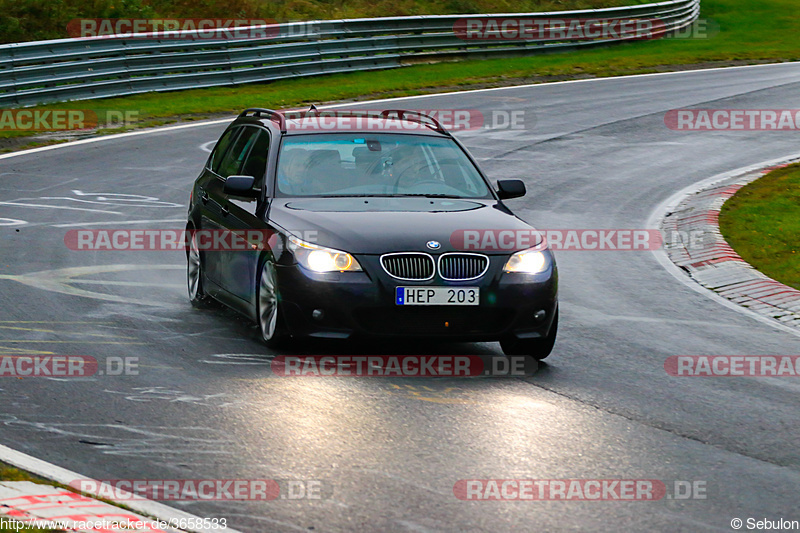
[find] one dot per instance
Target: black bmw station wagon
(365, 216)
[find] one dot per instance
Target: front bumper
(363, 304)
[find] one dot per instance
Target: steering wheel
(407, 170)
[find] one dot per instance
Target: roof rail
(269, 113)
(416, 116)
(388, 114)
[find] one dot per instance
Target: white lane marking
(207, 147)
(361, 103)
(668, 205)
(413, 526)
(115, 136)
(12, 222)
(120, 223)
(61, 280)
(44, 206)
(150, 394)
(415, 97)
(239, 359)
(101, 199)
(129, 199)
(125, 283)
(68, 199)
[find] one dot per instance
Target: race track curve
(205, 405)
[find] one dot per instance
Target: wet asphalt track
(388, 451)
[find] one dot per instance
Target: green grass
(751, 31)
(9, 473)
(762, 223)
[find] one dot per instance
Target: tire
(194, 275)
(268, 315)
(537, 348)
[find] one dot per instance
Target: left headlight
(321, 259)
(532, 261)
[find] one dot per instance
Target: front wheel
(270, 324)
(194, 274)
(537, 348)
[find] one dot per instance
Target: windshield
(377, 165)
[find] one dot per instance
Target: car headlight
(321, 259)
(531, 261)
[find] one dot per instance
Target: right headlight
(321, 259)
(531, 261)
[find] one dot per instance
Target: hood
(384, 225)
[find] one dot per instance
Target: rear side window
(232, 160)
(222, 147)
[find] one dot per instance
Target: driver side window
(232, 160)
(256, 163)
(221, 147)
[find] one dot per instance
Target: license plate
(438, 296)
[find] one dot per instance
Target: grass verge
(762, 223)
(10, 473)
(753, 31)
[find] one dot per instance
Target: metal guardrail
(78, 69)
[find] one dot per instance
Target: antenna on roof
(312, 109)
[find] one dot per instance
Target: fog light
(539, 316)
(317, 314)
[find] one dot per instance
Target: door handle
(204, 197)
(225, 210)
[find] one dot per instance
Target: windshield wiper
(398, 195)
(355, 196)
(430, 195)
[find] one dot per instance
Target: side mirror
(241, 186)
(507, 189)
